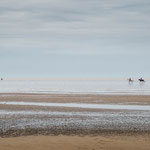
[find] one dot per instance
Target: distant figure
(1, 79)
(130, 80)
(141, 80)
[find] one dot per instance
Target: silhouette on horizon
(141, 80)
(130, 80)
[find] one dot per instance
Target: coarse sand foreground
(112, 142)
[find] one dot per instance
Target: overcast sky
(74, 38)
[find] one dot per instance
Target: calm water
(75, 86)
(81, 105)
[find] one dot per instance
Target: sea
(75, 86)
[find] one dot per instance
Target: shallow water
(75, 86)
(86, 113)
(81, 105)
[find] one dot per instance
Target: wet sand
(85, 98)
(73, 128)
(54, 114)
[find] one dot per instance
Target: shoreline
(71, 132)
(77, 93)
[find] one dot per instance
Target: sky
(74, 38)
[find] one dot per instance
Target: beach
(78, 121)
(76, 143)
(74, 75)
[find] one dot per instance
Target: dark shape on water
(130, 80)
(141, 80)
(1, 78)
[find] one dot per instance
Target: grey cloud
(75, 26)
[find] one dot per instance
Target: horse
(141, 80)
(130, 80)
